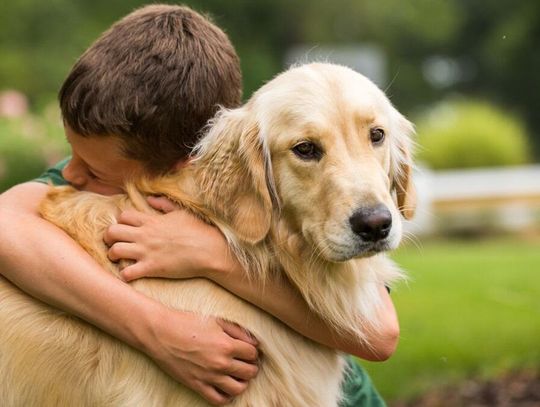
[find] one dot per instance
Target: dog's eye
(376, 136)
(307, 150)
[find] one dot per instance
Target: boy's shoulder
(53, 175)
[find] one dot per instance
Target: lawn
(470, 309)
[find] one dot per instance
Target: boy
(132, 105)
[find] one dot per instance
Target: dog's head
(322, 145)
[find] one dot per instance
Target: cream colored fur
(282, 215)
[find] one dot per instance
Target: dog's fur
(280, 214)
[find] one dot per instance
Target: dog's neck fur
(344, 294)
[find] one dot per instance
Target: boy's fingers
(230, 386)
(237, 332)
(243, 370)
(119, 233)
(213, 395)
(122, 250)
(132, 217)
(245, 351)
(161, 203)
(133, 272)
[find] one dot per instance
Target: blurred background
(465, 72)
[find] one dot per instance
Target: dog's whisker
(410, 237)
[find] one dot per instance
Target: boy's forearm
(44, 262)
(65, 276)
(284, 302)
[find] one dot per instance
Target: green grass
(471, 308)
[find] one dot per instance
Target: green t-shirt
(358, 389)
(54, 175)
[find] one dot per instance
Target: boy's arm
(177, 245)
(46, 263)
(285, 303)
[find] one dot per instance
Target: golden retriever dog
(308, 180)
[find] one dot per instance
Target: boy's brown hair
(153, 79)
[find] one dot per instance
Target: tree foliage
(494, 43)
(467, 133)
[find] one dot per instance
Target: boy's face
(98, 164)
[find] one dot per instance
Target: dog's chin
(368, 249)
(360, 249)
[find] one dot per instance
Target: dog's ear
(235, 174)
(402, 168)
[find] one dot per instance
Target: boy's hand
(173, 245)
(161, 203)
(213, 357)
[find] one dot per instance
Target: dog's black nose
(372, 224)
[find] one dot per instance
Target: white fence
(496, 198)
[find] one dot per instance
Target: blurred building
(478, 201)
(369, 60)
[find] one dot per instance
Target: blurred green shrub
(28, 145)
(464, 133)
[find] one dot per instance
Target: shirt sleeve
(53, 176)
(358, 389)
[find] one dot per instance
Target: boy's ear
(234, 169)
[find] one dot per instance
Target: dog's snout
(372, 224)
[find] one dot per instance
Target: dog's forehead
(317, 94)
